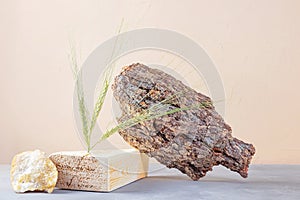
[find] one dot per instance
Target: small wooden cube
(101, 171)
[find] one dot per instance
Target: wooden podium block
(101, 171)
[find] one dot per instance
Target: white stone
(33, 171)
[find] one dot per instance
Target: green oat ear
(157, 110)
(88, 124)
(84, 115)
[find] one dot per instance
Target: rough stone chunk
(33, 171)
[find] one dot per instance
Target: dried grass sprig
(160, 109)
(88, 124)
(157, 110)
(83, 111)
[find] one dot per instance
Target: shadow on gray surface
(264, 182)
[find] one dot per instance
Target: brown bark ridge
(193, 141)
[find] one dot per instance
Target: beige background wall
(254, 44)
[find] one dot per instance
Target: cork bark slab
(101, 171)
(193, 141)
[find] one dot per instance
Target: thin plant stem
(148, 114)
(88, 124)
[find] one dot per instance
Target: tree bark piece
(192, 141)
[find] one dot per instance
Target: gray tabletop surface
(264, 182)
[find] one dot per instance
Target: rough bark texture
(192, 141)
